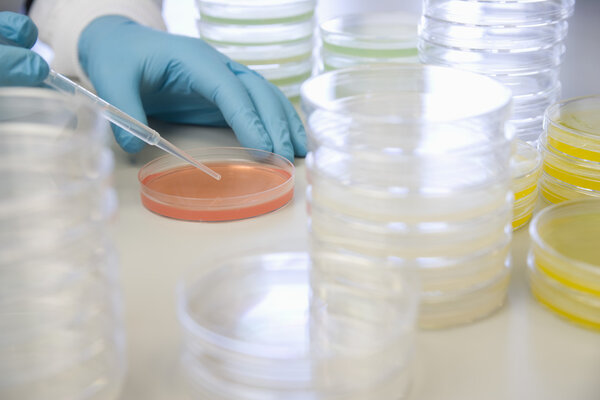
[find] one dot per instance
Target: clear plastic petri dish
(277, 33)
(455, 239)
(383, 36)
(565, 244)
(410, 199)
(285, 74)
(493, 37)
(491, 61)
(251, 331)
(570, 303)
(525, 165)
(268, 54)
(345, 90)
(499, 12)
(573, 127)
(569, 169)
(444, 309)
(555, 191)
(330, 61)
(255, 11)
(254, 182)
(523, 209)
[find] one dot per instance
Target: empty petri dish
(253, 182)
(252, 330)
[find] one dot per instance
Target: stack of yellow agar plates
(564, 262)
(571, 150)
(526, 167)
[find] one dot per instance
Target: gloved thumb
(125, 95)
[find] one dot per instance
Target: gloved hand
(19, 66)
(181, 79)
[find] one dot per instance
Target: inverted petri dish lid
(499, 12)
(253, 182)
(565, 243)
(372, 35)
(573, 127)
(432, 87)
(255, 11)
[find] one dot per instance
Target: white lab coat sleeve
(60, 23)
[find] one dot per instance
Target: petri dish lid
(255, 12)
(565, 243)
(254, 182)
(573, 127)
(376, 35)
(499, 12)
(525, 166)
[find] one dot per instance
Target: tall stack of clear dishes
(272, 37)
(571, 150)
(398, 168)
(61, 334)
(520, 43)
(368, 39)
(252, 331)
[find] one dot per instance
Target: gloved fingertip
(127, 141)
(40, 68)
(19, 28)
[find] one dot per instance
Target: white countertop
(521, 352)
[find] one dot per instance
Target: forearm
(60, 23)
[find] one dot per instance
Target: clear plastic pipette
(123, 120)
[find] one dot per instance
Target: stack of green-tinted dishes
(368, 38)
(272, 37)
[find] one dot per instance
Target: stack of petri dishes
(397, 168)
(564, 262)
(571, 150)
(251, 329)
(526, 168)
(272, 37)
(61, 334)
(368, 39)
(518, 42)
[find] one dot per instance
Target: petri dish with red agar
(253, 182)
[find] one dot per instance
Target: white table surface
(521, 352)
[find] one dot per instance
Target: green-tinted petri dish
(386, 36)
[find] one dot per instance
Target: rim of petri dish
(9, 209)
(74, 110)
(554, 111)
(564, 209)
(526, 160)
(261, 198)
(538, 278)
(374, 31)
(323, 91)
(266, 266)
(578, 168)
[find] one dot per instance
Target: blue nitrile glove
(184, 80)
(19, 66)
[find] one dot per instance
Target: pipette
(123, 120)
(118, 117)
